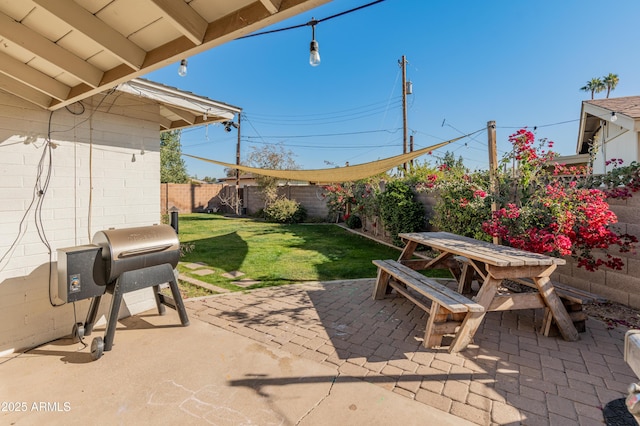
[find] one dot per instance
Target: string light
(133, 158)
(182, 70)
(314, 54)
(614, 117)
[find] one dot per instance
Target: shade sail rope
(335, 174)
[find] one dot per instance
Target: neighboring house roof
(55, 53)
(596, 111)
(179, 108)
(629, 105)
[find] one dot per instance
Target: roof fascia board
(583, 120)
(185, 95)
(176, 101)
(604, 114)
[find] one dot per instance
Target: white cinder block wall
(95, 143)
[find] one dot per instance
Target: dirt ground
(614, 314)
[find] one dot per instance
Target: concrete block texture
(93, 185)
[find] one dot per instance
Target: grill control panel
(76, 269)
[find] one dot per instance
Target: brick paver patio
(509, 375)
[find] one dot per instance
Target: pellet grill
(117, 262)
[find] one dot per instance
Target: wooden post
(493, 166)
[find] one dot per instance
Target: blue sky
(520, 63)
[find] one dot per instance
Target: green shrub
(463, 205)
(285, 211)
(354, 222)
(399, 210)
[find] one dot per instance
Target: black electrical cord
(313, 22)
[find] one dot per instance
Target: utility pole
(493, 166)
(403, 65)
(237, 203)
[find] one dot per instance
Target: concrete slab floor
(159, 372)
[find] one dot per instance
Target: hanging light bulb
(314, 54)
(182, 70)
(614, 117)
(133, 158)
(205, 117)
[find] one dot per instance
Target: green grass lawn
(276, 254)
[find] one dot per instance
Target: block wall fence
(618, 286)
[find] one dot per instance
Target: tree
(595, 85)
(270, 157)
(172, 166)
(450, 161)
(610, 81)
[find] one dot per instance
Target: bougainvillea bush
(539, 211)
(349, 198)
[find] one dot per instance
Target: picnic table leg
(437, 315)
(557, 309)
(464, 282)
(472, 321)
(382, 283)
(407, 253)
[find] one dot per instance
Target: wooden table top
(488, 253)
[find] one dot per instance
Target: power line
(324, 135)
(338, 112)
(327, 120)
(543, 125)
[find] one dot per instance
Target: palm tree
(610, 81)
(595, 85)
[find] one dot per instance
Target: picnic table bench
(448, 309)
(496, 263)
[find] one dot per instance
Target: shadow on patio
(510, 374)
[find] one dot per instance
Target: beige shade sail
(335, 174)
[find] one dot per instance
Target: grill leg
(91, 315)
(112, 321)
(156, 293)
(175, 292)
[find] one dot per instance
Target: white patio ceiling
(56, 52)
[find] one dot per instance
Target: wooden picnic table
(495, 263)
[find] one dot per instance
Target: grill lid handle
(146, 250)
